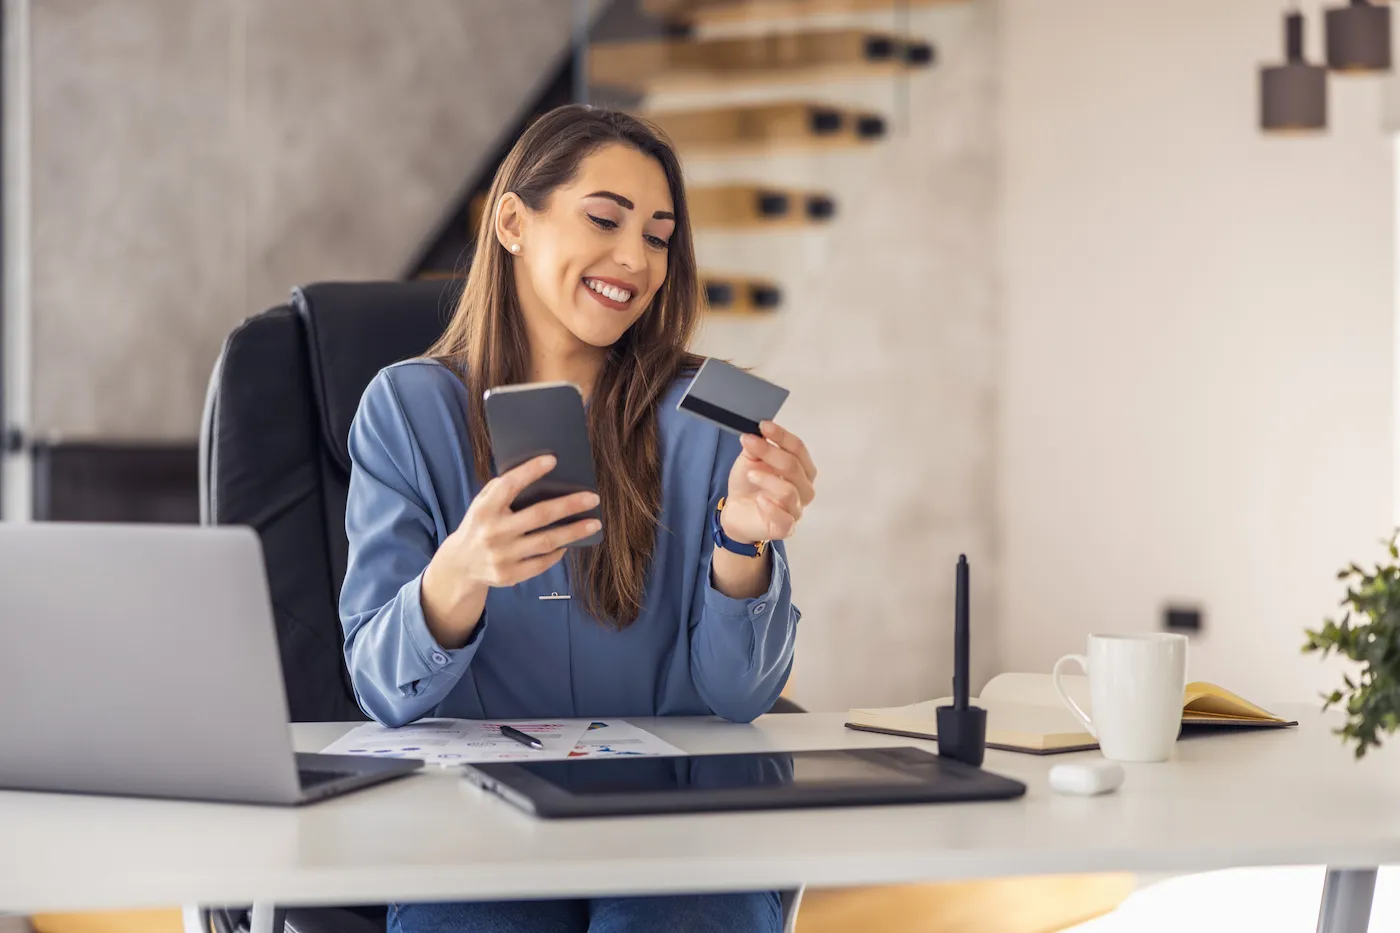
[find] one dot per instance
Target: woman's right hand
(495, 546)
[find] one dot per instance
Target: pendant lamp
(1358, 37)
(1293, 95)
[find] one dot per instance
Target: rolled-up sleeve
(399, 671)
(741, 649)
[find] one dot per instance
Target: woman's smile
(613, 294)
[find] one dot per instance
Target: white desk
(1269, 798)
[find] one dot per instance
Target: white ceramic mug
(1137, 685)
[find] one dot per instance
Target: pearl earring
(515, 247)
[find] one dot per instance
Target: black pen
(521, 737)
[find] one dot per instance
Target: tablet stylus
(962, 727)
(960, 637)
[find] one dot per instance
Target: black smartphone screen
(530, 420)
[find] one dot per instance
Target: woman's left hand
(770, 485)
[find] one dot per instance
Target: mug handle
(1079, 714)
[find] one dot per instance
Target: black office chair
(273, 456)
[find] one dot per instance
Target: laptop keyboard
(310, 779)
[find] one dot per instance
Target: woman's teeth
(620, 295)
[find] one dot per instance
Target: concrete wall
(1197, 388)
(889, 341)
(194, 161)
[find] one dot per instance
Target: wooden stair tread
(475, 208)
(683, 64)
(724, 293)
(705, 12)
(759, 128)
(739, 295)
(732, 206)
(757, 207)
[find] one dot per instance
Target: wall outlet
(1185, 619)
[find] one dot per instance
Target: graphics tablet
(766, 781)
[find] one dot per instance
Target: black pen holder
(962, 734)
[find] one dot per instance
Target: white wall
(1198, 357)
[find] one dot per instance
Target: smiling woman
(590, 244)
(585, 272)
(618, 293)
(454, 604)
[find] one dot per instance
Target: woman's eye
(606, 224)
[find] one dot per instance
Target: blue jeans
(701, 913)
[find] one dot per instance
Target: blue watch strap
(723, 540)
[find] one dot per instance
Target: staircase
(642, 48)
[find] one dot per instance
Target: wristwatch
(723, 540)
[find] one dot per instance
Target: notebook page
(1037, 690)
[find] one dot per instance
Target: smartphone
(537, 418)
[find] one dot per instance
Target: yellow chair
(116, 921)
(1000, 905)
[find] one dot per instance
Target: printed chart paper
(469, 741)
(460, 741)
(616, 738)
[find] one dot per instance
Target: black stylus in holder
(962, 727)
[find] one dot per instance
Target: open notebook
(1025, 714)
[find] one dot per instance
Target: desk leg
(193, 919)
(269, 918)
(1346, 900)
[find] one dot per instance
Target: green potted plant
(1368, 633)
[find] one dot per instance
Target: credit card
(731, 398)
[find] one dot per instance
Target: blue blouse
(691, 651)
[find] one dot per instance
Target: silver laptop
(143, 660)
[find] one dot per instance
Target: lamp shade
(1293, 95)
(1358, 37)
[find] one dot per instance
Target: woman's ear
(510, 221)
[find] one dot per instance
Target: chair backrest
(273, 454)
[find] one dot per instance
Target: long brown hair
(487, 345)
